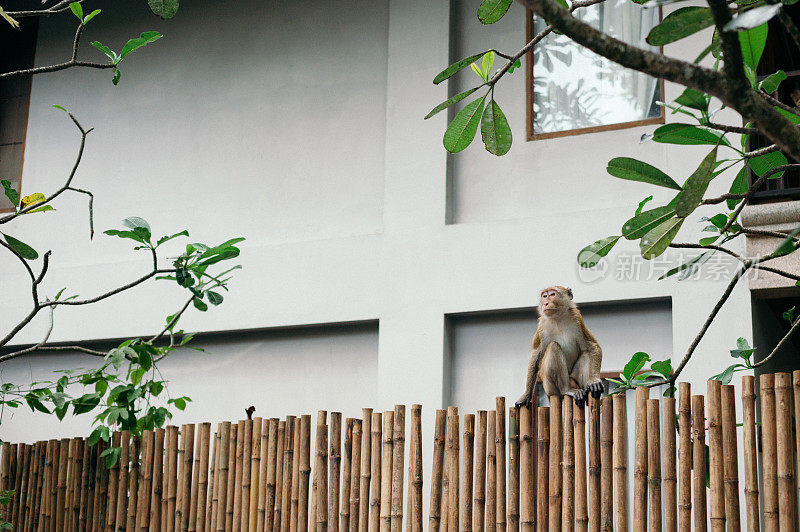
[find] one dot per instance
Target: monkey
(565, 356)
(249, 411)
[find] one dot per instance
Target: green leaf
(134, 44)
(763, 163)
(85, 403)
(696, 185)
(462, 129)
(518, 63)
(77, 9)
(655, 242)
(165, 9)
(589, 256)
(106, 50)
(487, 63)
(693, 98)
(112, 455)
(214, 298)
(490, 11)
(738, 186)
(495, 131)
(455, 67)
(634, 170)
(788, 245)
(752, 18)
(450, 101)
(23, 249)
(793, 117)
(690, 266)
(789, 315)
(124, 234)
(679, 24)
(475, 68)
(90, 16)
(770, 83)
(664, 367)
(635, 365)
(677, 133)
(43, 208)
(117, 75)
(726, 376)
(199, 304)
(168, 238)
(36, 404)
(753, 42)
(643, 223)
(642, 204)
(11, 194)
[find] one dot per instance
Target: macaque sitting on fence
(565, 356)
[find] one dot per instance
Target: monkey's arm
(587, 369)
(533, 370)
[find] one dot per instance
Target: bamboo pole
(568, 466)
(170, 480)
(620, 437)
(221, 475)
(30, 491)
(513, 469)
(796, 386)
(133, 492)
(375, 465)
(386, 472)
(606, 465)
(699, 463)
(500, 457)
(286, 490)
(321, 472)
(751, 451)
(785, 452)
(255, 472)
(295, 507)
(654, 465)
(146, 483)
(640, 460)
(202, 476)
(581, 501)
(491, 472)
(44, 524)
(715, 453)
(62, 481)
(479, 504)
(230, 500)
(543, 448)
(242, 512)
(102, 500)
(556, 455)
(113, 480)
(468, 461)
(266, 488)
(355, 475)
(280, 449)
(452, 465)
(398, 451)
(186, 483)
(211, 512)
(156, 489)
(305, 472)
(445, 512)
(347, 456)
(366, 471)
(769, 452)
(335, 470)
(415, 477)
(195, 484)
(730, 461)
(684, 457)
(68, 503)
(593, 451)
(669, 469)
(527, 470)
(241, 436)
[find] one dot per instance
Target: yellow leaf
(33, 199)
(9, 19)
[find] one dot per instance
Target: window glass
(574, 88)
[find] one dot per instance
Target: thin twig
(21, 352)
(91, 208)
(777, 103)
(110, 293)
(761, 151)
(63, 5)
(172, 322)
(710, 246)
(785, 338)
(780, 272)
(732, 129)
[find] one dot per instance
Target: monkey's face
(554, 299)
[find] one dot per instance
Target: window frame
(529, 118)
(34, 23)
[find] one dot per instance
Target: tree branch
(172, 322)
(731, 47)
(752, 190)
(15, 354)
(710, 246)
(63, 5)
(783, 340)
(732, 129)
(790, 26)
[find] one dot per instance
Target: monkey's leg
(586, 374)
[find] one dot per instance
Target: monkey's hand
(595, 388)
(525, 400)
(579, 397)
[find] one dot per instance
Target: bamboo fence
(551, 468)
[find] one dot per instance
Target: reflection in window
(574, 88)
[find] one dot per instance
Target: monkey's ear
(569, 292)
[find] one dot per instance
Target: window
(780, 53)
(19, 48)
(572, 90)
